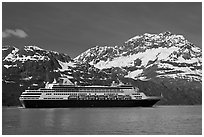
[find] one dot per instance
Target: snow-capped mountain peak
(144, 51)
(154, 40)
(32, 48)
(13, 54)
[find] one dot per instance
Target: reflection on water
(156, 120)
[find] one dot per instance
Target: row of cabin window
(74, 90)
(39, 90)
(69, 94)
(29, 98)
(24, 93)
(89, 90)
(48, 93)
(62, 93)
(53, 98)
(65, 94)
(136, 94)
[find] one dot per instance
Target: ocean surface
(158, 120)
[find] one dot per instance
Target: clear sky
(72, 28)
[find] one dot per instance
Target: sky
(72, 28)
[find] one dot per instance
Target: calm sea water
(157, 120)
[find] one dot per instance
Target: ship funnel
(161, 95)
(114, 84)
(136, 89)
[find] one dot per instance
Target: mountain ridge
(156, 63)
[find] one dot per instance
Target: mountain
(28, 67)
(31, 62)
(149, 56)
(157, 63)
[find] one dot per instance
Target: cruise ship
(66, 94)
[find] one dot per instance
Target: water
(157, 120)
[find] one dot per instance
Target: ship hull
(87, 103)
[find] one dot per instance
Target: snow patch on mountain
(8, 66)
(8, 81)
(28, 78)
(150, 54)
(182, 76)
(170, 71)
(188, 61)
(16, 56)
(32, 48)
(34, 84)
(134, 74)
(66, 65)
(11, 56)
(172, 68)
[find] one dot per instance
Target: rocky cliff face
(156, 63)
